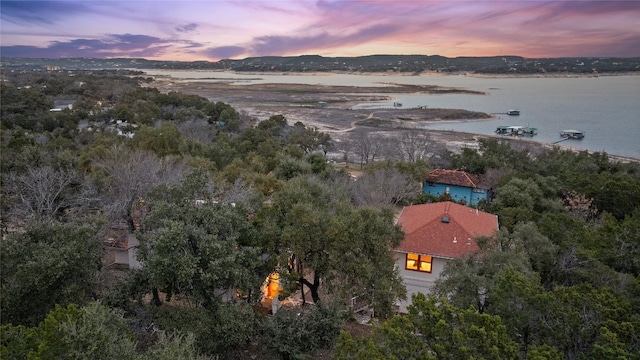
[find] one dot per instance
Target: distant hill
(372, 63)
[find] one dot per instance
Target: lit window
(419, 262)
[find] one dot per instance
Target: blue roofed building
(460, 185)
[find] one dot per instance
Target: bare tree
(129, 174)
(42, 192)
(197, 130)
(383, 186)
(238, 192)
(413, 146)
(492, 177)
(366, 146)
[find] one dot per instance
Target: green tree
(361, 259)
(543, 352)
(274, 125)
(347, 248)
(433, 329)
(47, 264)
(516, 201)
(609, 347)
(542, 253)
(214, 332)
(223, 115)
(124, 113)
(146, 112)
(174, 347)
(193, 244)
(164, 140)
(470, 281)
(492, 154)
(289, 168)
(514, 299)
(617, 243)
(570, 319)
(295, 333)
(90, 332)
(308, 139)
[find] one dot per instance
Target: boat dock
(516, 131)
(570, 135)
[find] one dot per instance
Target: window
(431, 183)
(419, 262)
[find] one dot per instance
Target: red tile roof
(426, 233)
(453, 177)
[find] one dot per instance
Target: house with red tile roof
(434, 234)
(460, 185)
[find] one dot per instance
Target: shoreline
(389, 73)
(330, 108)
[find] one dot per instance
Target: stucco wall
(133, 252)
(417, 281)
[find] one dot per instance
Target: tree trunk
(156, 297)
(304, 298)
(313, 288)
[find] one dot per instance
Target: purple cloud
(182, 29)
(593, 7)
(282, 45)
(186, 28)
(43, 12)
(114, 45)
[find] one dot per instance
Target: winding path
(351, 127)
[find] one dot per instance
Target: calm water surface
(606, 108)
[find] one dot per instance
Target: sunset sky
(218, 29)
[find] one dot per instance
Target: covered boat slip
(572, 134)
(516, 131)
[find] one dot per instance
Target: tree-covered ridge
(507, 64)
(219, 201)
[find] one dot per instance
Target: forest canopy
(216, 202)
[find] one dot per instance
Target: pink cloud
(231, 29)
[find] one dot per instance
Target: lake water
(606, 108)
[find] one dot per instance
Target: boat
(513, 112)
(572, 134)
